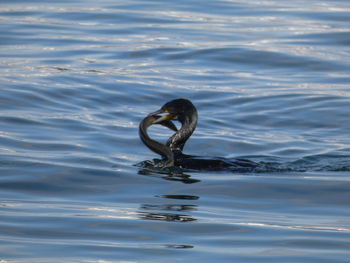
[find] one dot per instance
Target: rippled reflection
(169, 207)
(152, 211)
(181, 197)
(166, 217)
(169, 175)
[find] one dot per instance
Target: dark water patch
(242, 57)
(78, 124)
(330, 38)
(195, 7)
(275, 59)
(46, 178)
(336, 16)
(150, 52)
(329, 162)
(324, 162)
(36, 145)
(20, 98)
(19, 121)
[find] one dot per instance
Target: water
(270, 80)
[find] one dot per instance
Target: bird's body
(185, 112)
(213, 163)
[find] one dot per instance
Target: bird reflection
(168, 212)
(182, 197)
(168, 175)
(179, 246)
(166, 217)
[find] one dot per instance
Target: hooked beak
(164, 120)
(167, 117)
(156, 112)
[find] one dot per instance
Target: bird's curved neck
(153, 145)
(188, 124)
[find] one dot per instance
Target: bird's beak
(163, 118)
(160, 111)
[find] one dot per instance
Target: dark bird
(185, 112)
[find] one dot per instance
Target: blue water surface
(270, 80)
